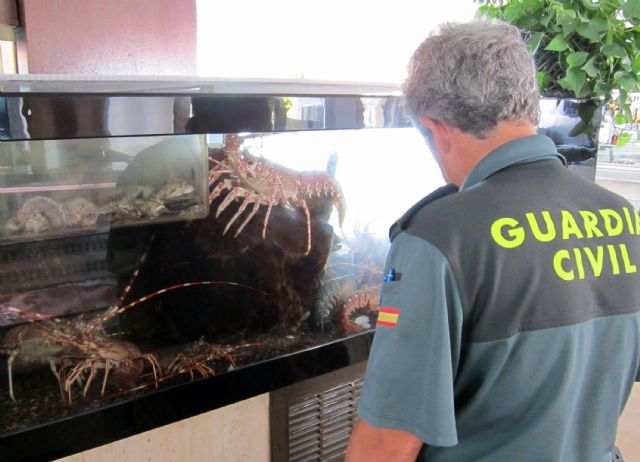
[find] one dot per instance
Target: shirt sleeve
(409, 379)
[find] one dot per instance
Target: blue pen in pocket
(391, 275)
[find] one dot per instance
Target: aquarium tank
(149, 240)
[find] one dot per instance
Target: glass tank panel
(56, 188)
(288, 256)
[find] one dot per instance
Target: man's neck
(470, 150)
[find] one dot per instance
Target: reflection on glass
(289, 256)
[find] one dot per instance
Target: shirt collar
(523, 150)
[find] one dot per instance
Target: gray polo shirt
(511, 327)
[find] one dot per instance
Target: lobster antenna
(182, 286)
(136, 271)
(113, 311)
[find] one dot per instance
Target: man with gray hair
(509, 325)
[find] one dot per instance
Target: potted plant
(584, 49)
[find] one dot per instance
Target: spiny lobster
(258, 181)
(75, 348)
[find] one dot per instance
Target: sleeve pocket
(388, 290)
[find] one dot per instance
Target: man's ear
(440, 133)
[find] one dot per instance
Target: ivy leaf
(544, 20)
(590, 68)
(567, 21)
(613, 49)
(577, 59)
(513, 11)
(587, 111)
(543, 80)
(527, 22)
(566, 17)
(593, 29)
(488, 12)
(626, 81)
(557, 44)
(623, 139)
(619, 119)
(635, 65)
(569, 28)
(573, 80)
(534, 42)
(579, 129)
(631, 9)
(601, 88)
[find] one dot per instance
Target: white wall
(361, 40)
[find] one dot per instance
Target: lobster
(257, 181)
(77, 345)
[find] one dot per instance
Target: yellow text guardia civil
(577, 262)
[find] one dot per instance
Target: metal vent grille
(320, 423)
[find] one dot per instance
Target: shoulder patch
(403, 222)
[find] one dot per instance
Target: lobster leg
(107, 367)
(243, 206)
(272, 201)
(52, 365)
(302, 203)
(225, 184)
(256, 206)
(92, 374)
(155, 366)
(217, 171)
(12, 357)
(235, 192)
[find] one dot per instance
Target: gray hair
(472, 76)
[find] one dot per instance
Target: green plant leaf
(546, 19)
(573, 80)
(601, 88)
(619, 119)
(577, 59)
(635, 65)
(565, 17)
(623, 139)
(590, 68)
(593, 29)
(586, 112)
(534, 42)
(625, 81)
(516, 10)
(579, 129)
(487, 11)
(557, 44)
(613, 49)
(543, 80)
(527, 22)
(631, 9)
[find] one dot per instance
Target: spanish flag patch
(388, 317)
